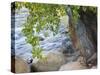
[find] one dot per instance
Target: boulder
(18, 65)
(52, 62)
(76, 65)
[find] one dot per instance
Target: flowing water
(60, 41)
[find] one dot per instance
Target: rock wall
(84, 34)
